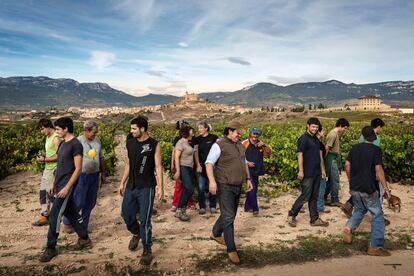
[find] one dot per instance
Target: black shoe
(146, 257)
(48, 254)
(387, 222)
(133, 243)
(82, 244)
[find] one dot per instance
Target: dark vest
(230, 168)
(141, 163)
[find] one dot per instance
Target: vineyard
(19, 145)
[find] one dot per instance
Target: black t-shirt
(204, 146)
(66, 163)
(310, 146)
(363, 158)
(141, 163)
(253, 154)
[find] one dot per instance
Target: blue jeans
(85, 194)
(186, 177)
(202, 187)
(363, 203)
(321, 197)
(229, 197)
(251, 197)
(64, 206)
(139, 200)
(332, 186)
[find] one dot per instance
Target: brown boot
(378, 251)
(219, 239)
(347, 208)
(347, 235)
(234, 257)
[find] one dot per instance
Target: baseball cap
(369, 133)
(255, 130)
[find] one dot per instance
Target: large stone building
(371, 103)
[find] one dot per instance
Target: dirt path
(175, 242)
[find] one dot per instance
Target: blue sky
(202, 46)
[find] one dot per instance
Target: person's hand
(260, 144)
(199, 168)
(324, 175)
(173, 169)
(121, 189)
(40, 158)
(251, 164)
(212, 187)
(160, 194)
(387, 193)
(51, 191)
(177, 175)
(249, 186)
(300, 175)
(63, 193)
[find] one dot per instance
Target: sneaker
(319, 222)
(219, 239)
(325, 211)
(40, 220)
(48, 254)
(202, 211)
(256, 213)
(181, 215)
(347, 208)
(213, 211)
(378, 251)
(133, 243)
(347, 235)
(67, 228)
(291, 220)
(173, 209)
(387, 222)
(82, 244)
(234, 257)
(146, 257)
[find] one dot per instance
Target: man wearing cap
(255, 150)
(227, 171)
(363, 165)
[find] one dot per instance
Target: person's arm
(177, 156)
(212, 158)
(78, 169)
(173, 160)
(158, 170)
(348, 169)
(380, 174)
(322, 165)
(249, 180)
(124, 177)
(102, 170)
(44, 159)
(197, 159)
(300, 163)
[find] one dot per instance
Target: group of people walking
(218, 167)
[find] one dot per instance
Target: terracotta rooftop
(368, 97)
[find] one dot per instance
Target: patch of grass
(304, 249)
(49, 268)
(265, 207)
(17, 206)
(268, 216)
(75, 269)
(197, 239)
(160, 241)
(160, 220)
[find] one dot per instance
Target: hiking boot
(347, 235)
(40, 220)
(347, 208)
(82, 244)
(219, 239)
(325, 211)
(181, 215)
(133, 243)
(213, 211)
(320, 222)
(67, 228)
(173, 209)
(202, 211)
(387, 222)
(378, 251)
(146, 257)
(234, 257)
(291, 220)
(48, 254)
(255, 213)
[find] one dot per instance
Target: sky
(149, 46)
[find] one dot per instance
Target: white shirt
(214, 154)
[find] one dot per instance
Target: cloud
(183, 44)
(101, 59)
(298, 79)
(238, 60)
(156, 73)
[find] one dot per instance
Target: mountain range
(44, 91)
